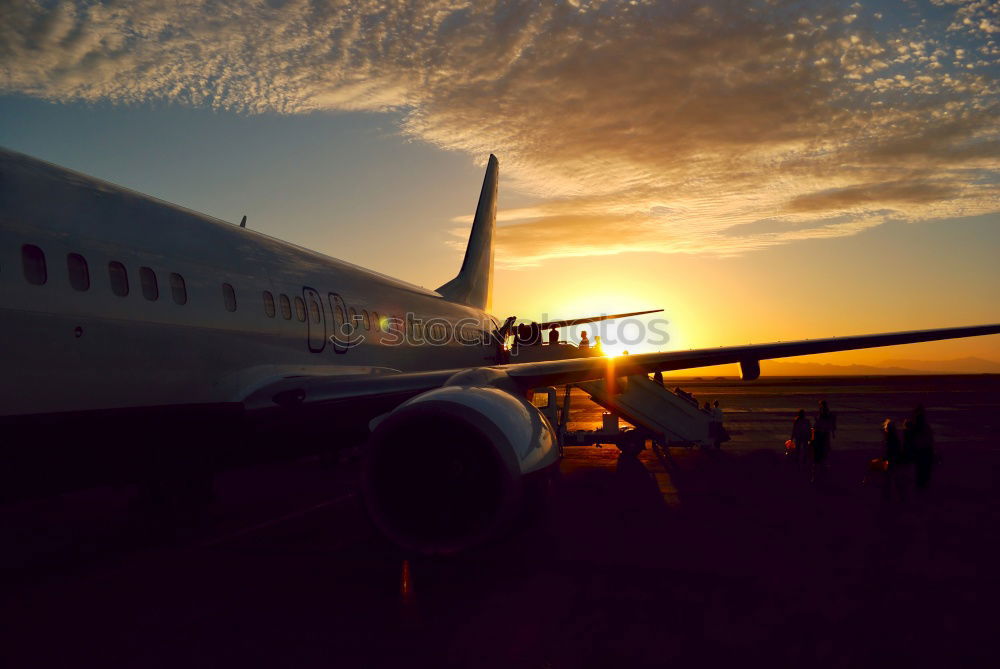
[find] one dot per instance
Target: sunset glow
(499, 333)
(760, 170)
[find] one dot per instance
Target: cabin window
(465, 335)
(34, 264)
(367, 319)
(286, 307)
(338, 315)
(375, 322)
(435, 332)
(178, 288)
(300, 309)
(119, 278)
(150, 289)
(314, 310)
(79, 273)
(269, 304)
(354, 317)
(229, 296)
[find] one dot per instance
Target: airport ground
(714, 558)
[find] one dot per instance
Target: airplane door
(315, 320)
(341, 328)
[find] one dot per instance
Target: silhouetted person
(893, 454)
(918, 443)
(823, 408)
(686, 395)
(801, 430)
(584, 341)
(721, 434)
(715, 429)
(598, 347)
(523, 334)
(707, 408)
(824, 429)
(553, 337)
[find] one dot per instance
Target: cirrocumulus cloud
(711, 126)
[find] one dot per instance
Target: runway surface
(718, 558)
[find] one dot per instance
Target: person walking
(918, 444)
(894, 460)
(824, 429)
(801, 430)
(719, 433)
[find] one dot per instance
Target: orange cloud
(646, 126)
(867, 194)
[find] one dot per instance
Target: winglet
(474, 283)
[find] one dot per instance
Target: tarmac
(707, 558)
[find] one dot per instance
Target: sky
(761, 170)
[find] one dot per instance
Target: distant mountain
(771, 368)
(889, 367)
(957, 366)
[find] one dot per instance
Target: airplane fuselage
(111, 299)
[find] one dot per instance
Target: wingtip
(493, 160)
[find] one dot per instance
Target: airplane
(144, 341)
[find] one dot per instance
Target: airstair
(670, 419)
(658, 414)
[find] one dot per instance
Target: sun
(614, 350)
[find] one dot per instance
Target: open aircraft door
(315, 320)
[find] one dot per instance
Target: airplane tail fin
(474, 283)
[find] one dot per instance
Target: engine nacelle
(446, 469)
(749, 370)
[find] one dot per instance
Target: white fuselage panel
(71, 349)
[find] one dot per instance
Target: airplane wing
(316, 391)
(593, 319)
(533, 375)
(312, 390)
(416, 419)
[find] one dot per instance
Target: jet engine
(447, 469)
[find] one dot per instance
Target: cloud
(639, 126)
(900, 192)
